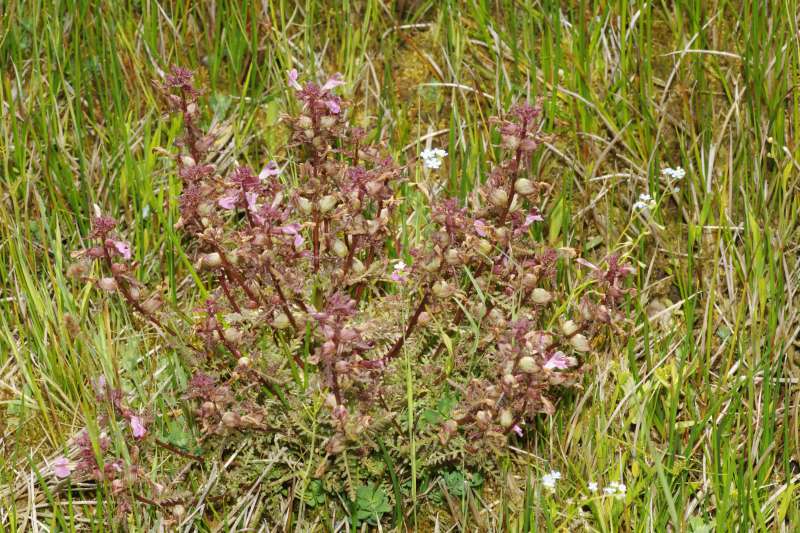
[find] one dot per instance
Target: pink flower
(333, 81)
(229, 202)
(516, 429)
(62, 468)
(333, 106)
(137, 427)
(292, 74)
(294, 229)
(250, 198)
(122, 248)
(558, 360)
(480, 227)
(271, 169)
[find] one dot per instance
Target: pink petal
(123, 248)
(558, 360)
(480, 227)
(229, 202)
(584, 262)
(516, 429)
(271, 169)
(291, 229)
(533, 217)
(333, 81)
(293, 79)
(250, 198)
(61, 467)
(333, 106)
(298, 241)
(137, 427)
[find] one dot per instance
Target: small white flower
(674, 173)
(549, 480)
(592, 486)
(645, 202)
(432, 157)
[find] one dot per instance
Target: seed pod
(327, 203)
(205, 209)
(498, 198)
(524, 187)
(339, 248)
(496, 317)
(107, 284)
(541, 296)
(579, 342)
(527, 364)
(442, 289)
(424, 319)
(509, 380)
(327, 121)
(188, 161)
(305, 205)
(529, 280)
(76, 270)
(208, 409)
(483, 417)
(506, 418)
(479, 310)
(485, 247)
(212, 260)
(434, 264)
(452, 257)
(374, 187)
(358, 267)
(568, 328)
(134, 293)
(231, 420)
(305, 122)
(233, 335)
(281, 321)
(510, 142)
(152, 304)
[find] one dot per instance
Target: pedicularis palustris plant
(313, 294)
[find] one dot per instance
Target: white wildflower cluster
(644, 203)
(432, 157)
(674, 173)
(616, 489)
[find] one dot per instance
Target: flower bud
(327, 203)
(442, 289)
(527, 364)
(212, 260)
(541, 296)
(339, 248)
(524, 187)
(499, 198)
(452, 257)
(506, 418)
(178, 511)
(281, 321)
(188, 161)
(568, 328)
(579, 342)
(230, 419)
(107, 284)
(305, 205)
